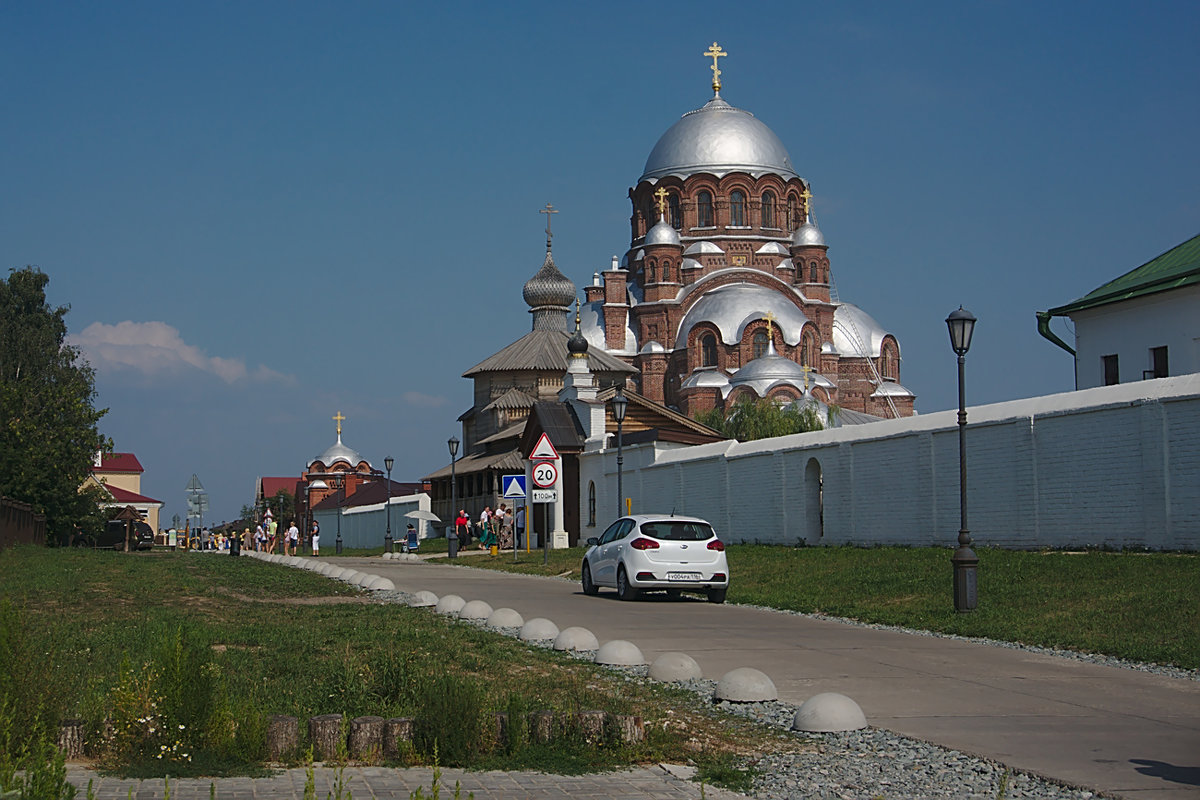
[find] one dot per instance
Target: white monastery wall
(1130, 328)
(1115, 466)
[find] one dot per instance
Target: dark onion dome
(577, 345)
(718, 139)
(549, 294)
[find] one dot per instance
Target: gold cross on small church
(769, 317)
(338, 419)
(806, 369)
(661, 194)
(714, 53)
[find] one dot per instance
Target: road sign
(545, 495)
(514, 486)
(194, 484)
(545, 474)
(544, 450)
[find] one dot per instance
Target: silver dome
(549, 294)
(734, 306)
(702, 247)
(856, 333)
(771, 369)
(338, 452)
(660, 234)
(718, 139)
(808, 234)
(773, 247)
(891, 389)
(652, 347)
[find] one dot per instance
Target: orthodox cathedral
(726, 288)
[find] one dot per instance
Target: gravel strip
(869, 764)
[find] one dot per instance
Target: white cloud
(423, 400)
(155, 347)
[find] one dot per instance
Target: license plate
(683, 576)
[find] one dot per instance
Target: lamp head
(453, 445)
(962, 325)
(620, 403)
(388, 463)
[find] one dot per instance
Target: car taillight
(716, 544)
(642, 543)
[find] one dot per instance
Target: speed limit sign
(545, 474)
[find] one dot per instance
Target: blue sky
(264, 213)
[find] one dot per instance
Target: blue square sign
(514, 486)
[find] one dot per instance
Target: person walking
(462, 528)
(293, 539)
(485, 519)
(520, 525)
(316, 541)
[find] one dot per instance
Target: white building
(1144, 324)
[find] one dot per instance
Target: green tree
(48, 421)
(283, 506)
(762, 418)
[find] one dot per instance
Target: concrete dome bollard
(538, 629)
(475, 609)
(411, 558)
(829, 712)
(576, 638)
(388, 556)
(379, 583)
(349, 575)
(450, 604)
(422, 599)
(364, 578)
(505, 618)
(675, 668)
(336, 572)
(323, 568)
(746, 685)
(620, 653)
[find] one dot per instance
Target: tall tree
(49, 430)
(762, 418)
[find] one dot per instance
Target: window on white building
(1112, 374)
(1158, 362)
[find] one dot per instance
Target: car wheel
(674, 594)
(588, 586)
(716, 595)
(624, 590)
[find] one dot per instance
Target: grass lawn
(1139, 606)
(155, 641)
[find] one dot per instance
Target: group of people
(267, 538)
(495, 528)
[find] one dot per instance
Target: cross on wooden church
(548, 210)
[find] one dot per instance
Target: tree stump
(70, 738)
(366, 738)
(501, 728)
(325, 734)
(591, 725)
(283, 736)
(397, 736)
(630, 728)
(541, 726)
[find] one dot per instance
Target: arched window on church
(889, 362)
(673, 210)
(708, 350)
(793, 215)
(812, 272)
(650, 272)
(808, 350)
(737, 209)
(768, 210)
(760, 344)
(704, 210)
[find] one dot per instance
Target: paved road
(1115, 730)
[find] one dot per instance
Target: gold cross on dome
(806, 195)
(769, 317)
(714, 53)
(338, 419)
(661, 194)
(806, 369)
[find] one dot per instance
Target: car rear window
(669, 531)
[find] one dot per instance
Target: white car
(648, 552)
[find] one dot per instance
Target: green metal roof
(1177, 267)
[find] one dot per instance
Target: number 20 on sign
(545, 474)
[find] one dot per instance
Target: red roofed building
(119, 475)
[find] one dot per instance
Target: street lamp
(388, 463)
(620, 403)
(962, 325)
(452, 539)
(341, 485)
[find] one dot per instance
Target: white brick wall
(1116, 466)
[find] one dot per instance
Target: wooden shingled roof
(544, 350)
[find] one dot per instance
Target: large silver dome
(338, 452)
(718, 139)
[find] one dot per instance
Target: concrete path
(654, 783)
(1120, 731)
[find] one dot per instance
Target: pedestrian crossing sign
(514, 486)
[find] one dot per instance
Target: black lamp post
(388, 463)
(452, 539)
(341, 485)
(620, 403)
(962, 325)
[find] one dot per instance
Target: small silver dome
(808, 235)
(652, 347)
(338, 452)
(661, 234)
(771, 370)
(549, 294)
(718, 139)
